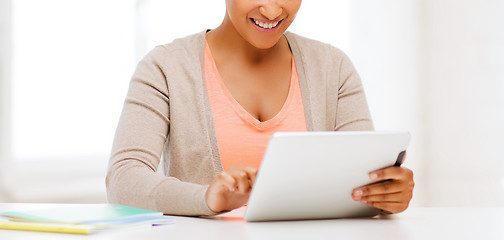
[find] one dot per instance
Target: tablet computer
(311, 175)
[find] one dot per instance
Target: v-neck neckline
(241, 111)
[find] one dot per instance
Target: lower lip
(266, 30)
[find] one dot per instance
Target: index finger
(250, 171)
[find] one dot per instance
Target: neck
(225, 38)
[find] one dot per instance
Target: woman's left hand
(392, 193)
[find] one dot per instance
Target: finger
(394, 173)
(228, 181)
(251, 172)
(387, 187)
(242, 181)
(390, 207)
(394, 197)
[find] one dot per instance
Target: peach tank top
(241, 138)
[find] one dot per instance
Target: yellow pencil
(43, 227)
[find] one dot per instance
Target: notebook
(81, 218)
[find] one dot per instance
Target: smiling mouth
(266, 25)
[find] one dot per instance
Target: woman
(209, 102)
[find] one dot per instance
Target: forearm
(132, 183)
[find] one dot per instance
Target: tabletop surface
(414, 223)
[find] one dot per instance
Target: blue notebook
(92, 214)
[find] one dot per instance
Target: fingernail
(358, 193)
(364, 201)
(373, 176)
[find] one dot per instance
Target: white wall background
(435, 68)
(5, 55)
(465, 102)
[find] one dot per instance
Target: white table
(415, 223)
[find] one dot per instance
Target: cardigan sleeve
(352, 113)
(143, 128)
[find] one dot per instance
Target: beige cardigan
(167, 113)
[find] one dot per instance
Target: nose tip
(271, 12)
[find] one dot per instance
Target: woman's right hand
(231, 188)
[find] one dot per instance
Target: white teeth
(266, 25)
